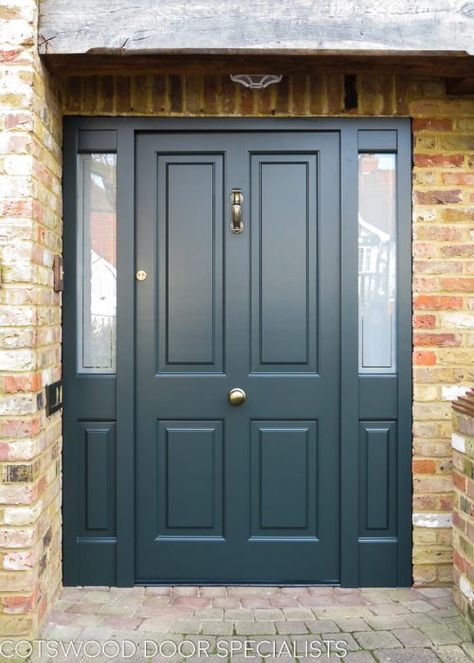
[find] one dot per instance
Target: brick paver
(411, 637)
(452, 654)
(406, 656)
(376, 639)
(359, 657)
(280, 624)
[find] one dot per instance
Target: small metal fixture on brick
(58, 274)
(256, 81)
(54, 397)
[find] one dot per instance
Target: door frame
(95, 134)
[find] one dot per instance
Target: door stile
(349, 370)
(125, 416)
(404, 341)
(70, 416)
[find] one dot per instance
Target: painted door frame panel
(80, 131)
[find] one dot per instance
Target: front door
(242, 491)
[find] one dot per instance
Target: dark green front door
(250, 492)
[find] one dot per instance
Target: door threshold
(224, 583)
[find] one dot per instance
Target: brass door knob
(237, 397)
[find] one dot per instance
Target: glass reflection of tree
(104, 176)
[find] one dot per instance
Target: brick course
(30, 234)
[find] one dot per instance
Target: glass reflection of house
(103, 309)
(377, 262)
(99, 260)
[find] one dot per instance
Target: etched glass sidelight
(377, 263)
(97, 263)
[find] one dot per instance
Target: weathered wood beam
(89, 64)
(404, 26)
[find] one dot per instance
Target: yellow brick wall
(443, 233)
(30, 233)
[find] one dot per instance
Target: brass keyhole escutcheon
(237, 397)
(141, 275)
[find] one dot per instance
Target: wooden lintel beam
(403, 26)
(113, 64)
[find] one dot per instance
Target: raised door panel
(190, 263)
(96, 503)
(284, 263)
(283, 479)
(378, 478)
(189, 478)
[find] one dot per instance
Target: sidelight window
(97, 263)
(377, 262)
